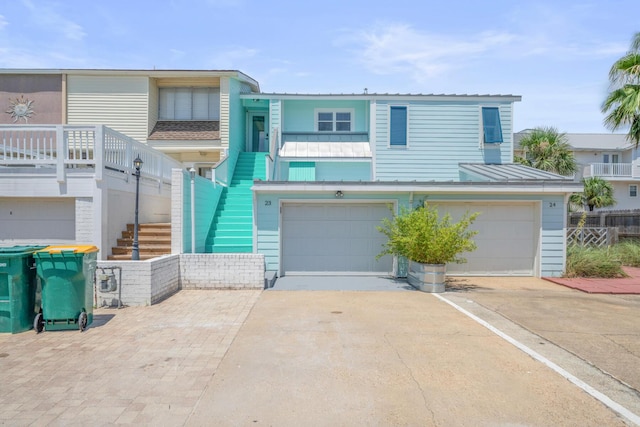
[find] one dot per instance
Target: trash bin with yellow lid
(18, 284)
(66, 273)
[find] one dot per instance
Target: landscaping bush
(583, 261)
(628, 252)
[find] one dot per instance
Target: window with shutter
(398, 126)
(492, 130)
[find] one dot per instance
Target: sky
(555, 54)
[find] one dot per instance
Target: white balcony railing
(611, 170)
(64, 147)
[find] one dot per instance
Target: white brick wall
(222, 271)
(149, 282)
(84, 220)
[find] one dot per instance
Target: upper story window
(189, 103)
(491, 128)
(338, 120)
(398, 126)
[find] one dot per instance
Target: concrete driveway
(386, 358)
(329, 358)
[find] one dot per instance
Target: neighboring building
(68, 139)
(338, 161)
(608, 156)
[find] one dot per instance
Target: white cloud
(3, 22)
(53, 21)
(399, 48)
(232, 58)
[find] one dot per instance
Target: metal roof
(392, 96)
(325, 150)
(509, 172)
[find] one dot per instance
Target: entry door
(258, 137)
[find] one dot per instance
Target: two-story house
(338, 163)
(302, 179)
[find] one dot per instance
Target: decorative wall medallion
(20, 108)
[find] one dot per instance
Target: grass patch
(583, 261)
(628, 252)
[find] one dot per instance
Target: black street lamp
(135, 250)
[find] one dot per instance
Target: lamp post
(135, 250)
(192, 172)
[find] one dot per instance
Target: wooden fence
(626, 222)
(592, 236)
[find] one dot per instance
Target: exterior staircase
(153, 240)
(232, 226)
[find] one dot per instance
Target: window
(633, 190)
(492, 130)
(398, 126)
(189, 103)
(334, 121)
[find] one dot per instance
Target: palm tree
(622, 105)
(597, 193)
(546, 149)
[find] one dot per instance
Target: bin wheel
(82, 321)
(38, 323)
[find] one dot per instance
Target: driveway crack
(413, 378)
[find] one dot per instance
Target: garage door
(37, 218)
(333, 238)
(507, 238)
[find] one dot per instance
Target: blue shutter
(491, 125)
(398, 126)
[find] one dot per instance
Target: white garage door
(37, 218)
(507, 238)
(333, 238)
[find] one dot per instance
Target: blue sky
(556, 54)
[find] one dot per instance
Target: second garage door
(507, 238)
(333, 238)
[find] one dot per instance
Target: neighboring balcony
(64, 150)
(613, 170)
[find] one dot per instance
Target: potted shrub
(429, 242)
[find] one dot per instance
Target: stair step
(230, 249)
(233, 240)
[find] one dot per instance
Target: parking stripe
(634, 418)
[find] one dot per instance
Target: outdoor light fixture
(339, 194)
(192, 172)
(135, 250)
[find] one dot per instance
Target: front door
(258, 137)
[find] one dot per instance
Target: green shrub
(422, 236)
(628, 252)
(584, 261)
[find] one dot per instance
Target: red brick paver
(625, 285)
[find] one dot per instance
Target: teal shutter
(302, 171)
(491, 125)
(398, 126)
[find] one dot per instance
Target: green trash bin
(66, 274)
(17, 288)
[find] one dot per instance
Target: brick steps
(154, 239)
